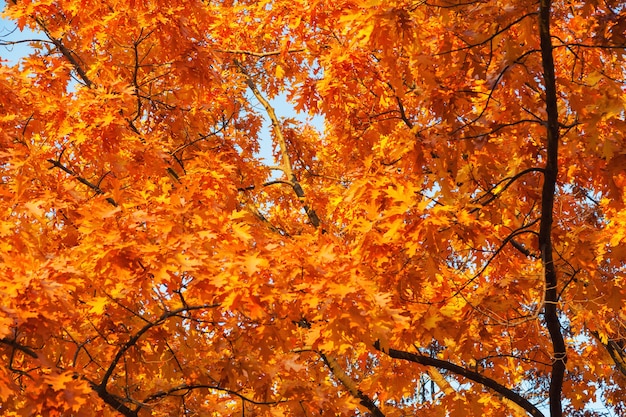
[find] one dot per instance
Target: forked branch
(135, 338)
(286, 165)
(95, 187)
(15, 345)
(257, 54)
(190, 387)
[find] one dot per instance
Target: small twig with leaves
(257, 54)
(56, 163)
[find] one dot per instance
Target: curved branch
(490, 195)
(113, 401)
(487, 382)
(57, 163)
(135, 338)
(500, 127)
(508, 239)
(490, 38)
(492, 90)
(190, 387)
(257, 54)
(521, 248)
(18, 42)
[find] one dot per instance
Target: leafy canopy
(451, 243)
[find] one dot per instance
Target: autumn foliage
(451, 242)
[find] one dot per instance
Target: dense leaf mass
(451, 242)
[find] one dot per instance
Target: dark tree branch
(95, 187)
(257, 54)
(522, 230)
(616, 352)
(498, 128)
(466, 373)
(520, 247)
(67, 53)
(101, 389)
(547, 207)
(113, 401)
(135, 338)
(12, 43)
(490, 38)
(190, 387)
(508, 181)
(24, 349)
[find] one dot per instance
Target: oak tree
(451, 242)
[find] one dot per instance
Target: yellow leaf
(241, 231)
(34, 208)
(254, 264)
(59, 381)
(453, 308)
(464, 218)
(431, 321)
(280, 72)
(97, 305)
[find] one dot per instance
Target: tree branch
(547, 207)
(135, 338)
(257, 54)
(24, 349)
(287, 167)
(57, 163)
(615, 350)
(113, 401)
(69, 55)
(190, 387)
(490, 195)
(350, 385)
(490, 38)
(471, 375)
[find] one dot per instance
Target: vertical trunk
(547, 205)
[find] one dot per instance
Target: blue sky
(9, 32)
